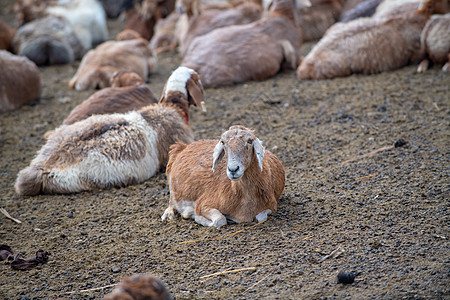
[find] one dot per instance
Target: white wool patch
(177, 81)
(102, 169)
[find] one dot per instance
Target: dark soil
(388, 211)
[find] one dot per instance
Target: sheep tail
(29, 181)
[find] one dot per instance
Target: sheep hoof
(168, 213)
(262, 216)
(423, 66)
(446, 67)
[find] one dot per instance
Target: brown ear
(195, 93)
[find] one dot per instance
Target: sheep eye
(250, 141)
(222, 142)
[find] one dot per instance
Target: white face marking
(177, 81)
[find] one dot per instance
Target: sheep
(165, 38)
(128, 92)
(6, 35)
(367, 46)
(254, 51)
(87, 17)
(143, 18)
(20, 81)
(314, 20)
(435, 42)
(103, 151)
(199, 188)
(140, 287)
(98, 65)
(210, 19)
(49, 40)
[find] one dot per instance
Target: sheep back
(20, 81)
(365, 45)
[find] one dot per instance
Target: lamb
(98, 65)
(128, 92)
(254, 51)
(20, 81)
(435, 43)
(210, 19)
(200, 190)
(367, 46)
(103, 151)
(315, 19)
(140, 287)
(49, 40)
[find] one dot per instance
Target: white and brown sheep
(435, 43)
(367, 46)
(232, 178)
(210, 19)
(87, 17)
(20, 81)
(103, 151)
(315, 19)
(49, 40)
(140, 287)
(128, 92)
(254, 51)
(98, 65)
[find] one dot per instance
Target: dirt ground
(388, 210)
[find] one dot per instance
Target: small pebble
(116, 269)
(400, 143)
(345, 277)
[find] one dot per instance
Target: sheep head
(241, 147)
(184, 88)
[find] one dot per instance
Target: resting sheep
(435, 43)
(50, 40)
(254, 51)
(140, 287)
(210, 19)
(234, 178)
(367, 46)
(20, 81)
(103, 151)
(128, 92)
(98, 65)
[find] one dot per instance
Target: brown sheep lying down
(367, 46)
(254, 51)
(20, 81)
(98, 65)
(232, 178)
(140, 287)
(128, 92)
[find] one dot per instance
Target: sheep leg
(262, 216)
(168, 213)
(212, 217)
(423, 66)
(289, 54)
(446, 67)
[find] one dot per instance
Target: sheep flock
(225, 149)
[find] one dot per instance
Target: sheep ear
(259, 152)
(218, 154)
(195, 93)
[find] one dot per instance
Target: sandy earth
(388, 211)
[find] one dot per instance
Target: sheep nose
(232, 171)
